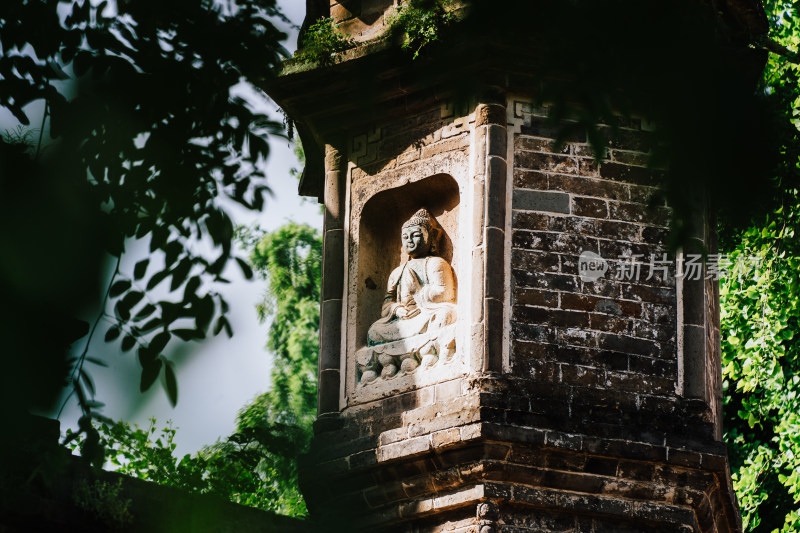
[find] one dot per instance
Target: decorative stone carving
(417, 324)
(487, 510)
(487, 514)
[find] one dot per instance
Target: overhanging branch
(765, 43)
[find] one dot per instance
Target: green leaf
(205, 312)
(128, 342)
(132, 298)
(160, 341)
(87, 380)
(188, 334)
(170, 382)
(145, 312)
(191, 288)
(157, 278)
(150, 372)
(247, 272)
(140, 269)
(158, 238)
(96, 361)
(179, 274)
(102, 418)
(172, 251)
(122, 310)
(119, 287)
(218, 265)
(112, 333)
(222, 323)
(151, 324)
(147, 355)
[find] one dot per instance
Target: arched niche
(379, 250)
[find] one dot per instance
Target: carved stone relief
(396, 169)
(418, 316)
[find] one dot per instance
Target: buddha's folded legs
(401, 328)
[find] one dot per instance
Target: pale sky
(218, 377)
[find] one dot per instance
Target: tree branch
(79, 364)
(765, 43)
(41, 130)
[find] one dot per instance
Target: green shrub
(421, 22)
(103, 501)
(322, 42)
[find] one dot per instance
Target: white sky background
(218, 377)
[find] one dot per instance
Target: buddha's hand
(407, 311)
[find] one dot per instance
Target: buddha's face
(415, 241)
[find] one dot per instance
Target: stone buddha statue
(417, 324)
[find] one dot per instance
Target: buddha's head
(420, 234)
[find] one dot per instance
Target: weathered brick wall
(421, 135)
(610, 338)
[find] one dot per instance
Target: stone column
(491, 124)
(332, 281)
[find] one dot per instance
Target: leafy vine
(421, 22)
